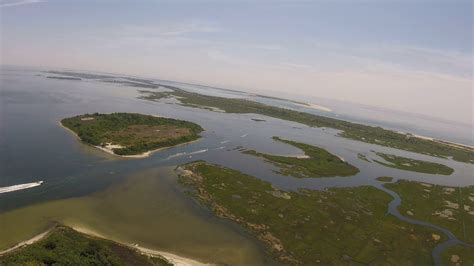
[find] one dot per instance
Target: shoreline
(303, 156)
(27, 242)
(170, 257)
(442, 141)
(145, 154)
(315, 106)
(135, 156)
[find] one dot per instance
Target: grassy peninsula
(448, 207)
(64, 246)
(365, 133)
(408, 164)
(385, 179)
(316, 162)
(330, 227)
(130, 133)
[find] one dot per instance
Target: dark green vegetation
(81, 75)
(131, 83)
(67, 78)
(330, 227)
(153, 95)
(281, 99)
(458, 255)
(385, 178)
(365, 133)
(317, 162)
(64, 246)
(363, 157)
(413, 165)
(134, 133)
(134, 82)
(448, 207)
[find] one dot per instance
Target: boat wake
(197, 152)
(186, 153)
(176, 155)
(20, 187)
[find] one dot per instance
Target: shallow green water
(148, 208)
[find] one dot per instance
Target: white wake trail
(20, 187)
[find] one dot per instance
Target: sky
(414, 56)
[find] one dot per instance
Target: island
(316, 162)
(131, 134)
(62, 245)
(336, 226)
(384, 179)
(355, 131)
(360, 132)
(128, 81)
(413, 165)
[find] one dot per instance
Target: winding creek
(32, 105)
(438, 250)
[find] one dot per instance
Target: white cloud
(414, 58)
(220, 56)
(269, 47)
(296, 66)
(171, 29)
(409, 78)
(166, 35)
(6, 3)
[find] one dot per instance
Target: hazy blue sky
(406, 55)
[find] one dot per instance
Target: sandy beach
(27, 242)
(302, 156)
(173, 258)
(447, 142)
(315, 106)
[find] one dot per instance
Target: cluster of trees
(95, 129)
(65, 246)
(141, 147)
